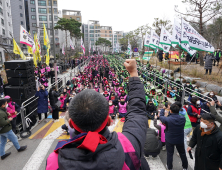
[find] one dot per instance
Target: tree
(200, 12)
(70, 25)
(158, 23)
(103, 42)
(141, 32)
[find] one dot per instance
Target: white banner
(63, 50)
(71, 44)
(165, 37)
(165, 48)
(194, 39)
(26, 38)
(129, 48)
(154, 39)
(83, 47)
(147, 40)
(176, 38)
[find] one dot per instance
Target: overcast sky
(123, 15)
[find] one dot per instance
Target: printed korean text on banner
(154, 39)
(17, 50)
(194, 39)
(165, 48)
(165, 37)
(48, 69)
(176, 38)
(26, 38)
(71, 44)
(82, 46)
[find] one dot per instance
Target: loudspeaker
(18, 64)
(20, 73)
(20, 81)
(21, 92)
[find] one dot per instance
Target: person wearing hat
(208, 141)
(106, 95)
(6, 131)
(13, 109)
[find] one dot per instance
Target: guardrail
(32, 99)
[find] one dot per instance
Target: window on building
(42, 18)
(9, 24)
(110, 31)
(21, 22)
(110, 35)
(105, 31)
(56, 32)
(92, 39)
(34, 24)
(1, 11)
(49, 2)
(105, 35)
(55, 10)
(2, 21)
(50, 17)
(91, 31)
(32, 2)
(34, 32)
(8, 14)
(91, 35)
(42, 3)
(21, 15)
(110, 39)
(42, 11)
(55, 2)
(20, 6)
(41, 32)
(57, 39)
(3, 31)
(77, 18)
(55, 17)
(115, 35)
(32, 9)
(7, 4)
(33, 17)
(91, 27)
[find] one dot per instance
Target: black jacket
(208, 154)
(53, 98)
(111, 154)
(152, 143)
(150, 108)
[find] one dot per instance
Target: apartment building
(93, 31)
(69, 14)
(6, 31)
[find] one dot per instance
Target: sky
(123, 15)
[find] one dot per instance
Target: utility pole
(53, 35)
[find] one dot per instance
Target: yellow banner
(46, 38)
(47, 57)
(17, 50)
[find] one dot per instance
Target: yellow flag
(17, 50)
(46, 38)
(34, 60)
(47, 57)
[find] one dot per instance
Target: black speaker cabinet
(20, 73)
(20, 81)
(21, 92)
(18, 64)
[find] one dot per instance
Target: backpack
(132, 162)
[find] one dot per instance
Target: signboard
(136, 54)
(173, 55)
(135, 50)
(148, 54)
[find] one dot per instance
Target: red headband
(92, 139)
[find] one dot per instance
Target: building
(93, 31)
(6, 31)
(38, 12)
(116, 37)
(70, 14)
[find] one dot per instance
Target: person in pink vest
(62, 100)
(92, 138)
(112, 109)
(106, 95)
(96, 87)
(161, 132)
(124, 96)
(13, 109)
(122, 108)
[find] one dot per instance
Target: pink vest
(107, 98)
(122, 108)
(131, 160)
(123, 97)
(11, 109)
(62, 101)
(97, 89)
(48, 69)
(111, 109)
(162, 132)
